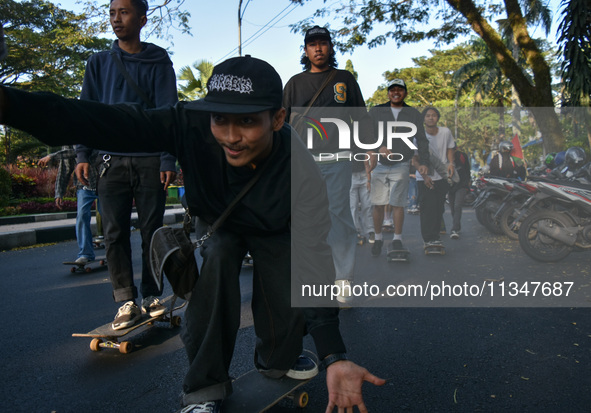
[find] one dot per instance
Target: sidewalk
(24, 231)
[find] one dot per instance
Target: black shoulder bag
(172, 252)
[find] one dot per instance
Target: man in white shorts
(390, 178)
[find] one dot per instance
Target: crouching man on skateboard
(220, 142)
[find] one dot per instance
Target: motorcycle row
(549, 213)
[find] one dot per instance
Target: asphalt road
(475, 354)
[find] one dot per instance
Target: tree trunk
(534, 97)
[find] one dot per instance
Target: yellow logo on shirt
(340, 92)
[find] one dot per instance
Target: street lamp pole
(240, 28)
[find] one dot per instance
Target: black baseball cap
(241, 85)
(317, 32)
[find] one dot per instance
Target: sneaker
(376, 250)
(436, 243)
(344, 291)
(303, 369)
(372, 237)
(454, 235)
(205, 407)
(395, 245)
(127, 315)
(361, 239)
(82, 261)
(151, 306)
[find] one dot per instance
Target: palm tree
(484, 77)
(195, 87)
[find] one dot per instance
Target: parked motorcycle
(551, 235)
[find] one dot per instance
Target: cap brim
(216, 107)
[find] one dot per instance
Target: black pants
(213, 313)
(432, 204)
(130, 178)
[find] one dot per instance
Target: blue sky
(215, 37)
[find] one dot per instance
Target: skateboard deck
(398, 255)
(76, 267)
(255, 393)
(435, 249)
(105, 337)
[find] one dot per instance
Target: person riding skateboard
(220, 142)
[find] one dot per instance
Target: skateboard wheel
(125, 347)
(73, 270)
(102, 262)
(95, 344)
(88, 270)
(301, 399)
(176, 320)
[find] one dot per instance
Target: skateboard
(98, 242)
(435, 249)
(85, 267)
(105, 337)
(398, 255)
(254, 393)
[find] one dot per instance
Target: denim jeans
(413, 193)
(213, 313)
(84, 200)
(342, 237)
(128, 179)
(359, 195)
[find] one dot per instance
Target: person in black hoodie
(137, 175)
(390, 178)
(283, 220)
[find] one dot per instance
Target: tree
(47, 50)
(574, 37)
(350, 69)
(163, 15)
(194, 87)
(407, 22)
(47, 47)
(483, 76)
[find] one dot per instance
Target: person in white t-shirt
(433, 186)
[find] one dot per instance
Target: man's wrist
(332, 358)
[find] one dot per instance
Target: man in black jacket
(390, 178)
(220, 142)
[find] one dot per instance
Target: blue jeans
(360, 195)
(85, 199)
(413, 193)
(342, 237)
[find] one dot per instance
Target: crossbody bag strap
(127, 76)
(330, 76)
(218, 222)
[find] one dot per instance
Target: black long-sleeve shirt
(272, 206)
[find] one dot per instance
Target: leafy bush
(44, 208)
(23, 186)
(5, 187)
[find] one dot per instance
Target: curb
(59, 233)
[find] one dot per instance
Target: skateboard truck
(438, 249)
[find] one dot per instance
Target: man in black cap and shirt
(321, 88)
(220, 141)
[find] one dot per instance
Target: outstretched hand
(344, 380)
